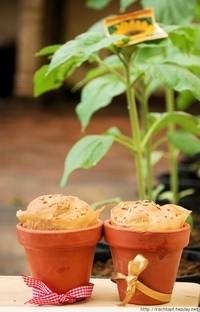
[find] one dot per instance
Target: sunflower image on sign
(139, 26)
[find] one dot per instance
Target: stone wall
(36, 23)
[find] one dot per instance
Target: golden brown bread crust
(57, 212)
(148, 216)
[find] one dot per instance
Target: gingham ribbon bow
(42, 295)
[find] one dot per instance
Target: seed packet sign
(139, 26)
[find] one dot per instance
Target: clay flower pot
(162, 249)
(61, 259)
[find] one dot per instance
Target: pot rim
(108, 224)
(53, 232)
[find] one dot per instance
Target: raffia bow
(135, 267)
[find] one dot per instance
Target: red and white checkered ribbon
(42, 295)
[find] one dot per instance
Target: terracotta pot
(61, 259)
(162, 249)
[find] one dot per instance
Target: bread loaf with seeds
(148, 216)
(58, 212)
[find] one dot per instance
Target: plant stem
(149, 176)
(124, 143)
(170, 107)
(135, 134)
(125, 138)
(159, 142)
(109, 68)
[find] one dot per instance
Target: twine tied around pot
(135, 267)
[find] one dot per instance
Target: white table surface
(14, 292)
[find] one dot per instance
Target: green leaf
(159, 43)
(81, 48)
(181, 40)
(172, 28)
(151, 87)
(168, 54)
(185, 142)
(184, 100)
(186, 38)
(190, 61)
(44, 83)
(197, 10)
(174, 77)
(105, 202)
(156, 157)
(112, 61)
(160, 121)
(97, 4)
(186, 193)
(90, 75)
(97, 27)
(190, 221)
(149, 55)
(167, 195)
(48, 50)
(157, 191)
(114, 131)
(85, 154)
(173, 12)
(124, 4)
(97, 94)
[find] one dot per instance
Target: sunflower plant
(185, 52)
(140, 58)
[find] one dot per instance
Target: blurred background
(36, 134)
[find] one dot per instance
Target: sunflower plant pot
(163, 251)
(61, 259)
